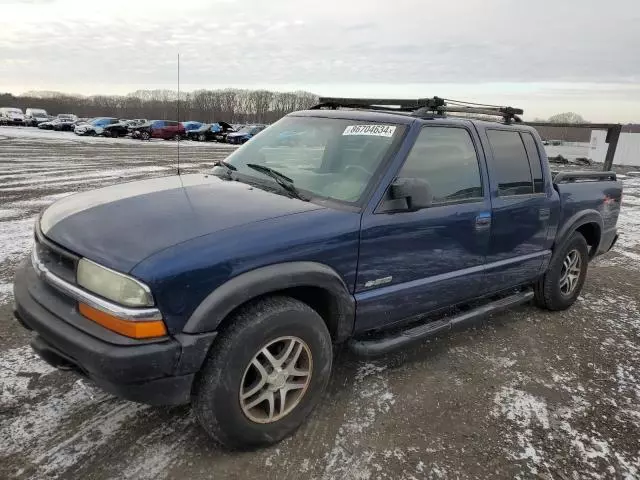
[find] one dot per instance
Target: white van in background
(35, 116)
(11, 116)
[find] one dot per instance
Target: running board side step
(386, 344)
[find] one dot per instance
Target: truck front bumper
(154, 372)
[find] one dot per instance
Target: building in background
(628, 151)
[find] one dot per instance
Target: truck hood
(120, 226)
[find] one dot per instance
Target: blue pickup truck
(377, 226)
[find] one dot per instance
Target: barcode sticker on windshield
(375, 130)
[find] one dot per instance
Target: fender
(576, 221)
(246, 286)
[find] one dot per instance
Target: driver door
(413, 262)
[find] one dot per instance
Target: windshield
(326, 157)
(38, 113)
(247, 129)
(101, 121)
(14, 111)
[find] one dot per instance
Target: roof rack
(422, 107)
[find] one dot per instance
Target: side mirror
(416, 191)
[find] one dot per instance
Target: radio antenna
(178, 111)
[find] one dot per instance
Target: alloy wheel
(570, 273)
(276, 379)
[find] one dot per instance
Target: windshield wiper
(227, 166)
(281, 179)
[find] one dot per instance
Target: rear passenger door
(520, 209)
(157, 129)
(171, 129)
(412, 262)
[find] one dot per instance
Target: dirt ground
(526, 394)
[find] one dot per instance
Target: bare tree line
(231, 105)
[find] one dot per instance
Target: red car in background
(166, 129)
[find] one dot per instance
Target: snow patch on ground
(16, 237)
(37, 431)
(68, 179)
(40, 202)
(370, 399)
(6, 292)
(10, 213)
(18, 366)
(521, 408)
(541, 430)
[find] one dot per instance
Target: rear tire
(222, 395)
(145, 135)
(202, 137)
(561, 285)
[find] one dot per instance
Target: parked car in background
(95, 127)
(67, 116)
(66, 125)
(190, 126)
(59, 124)
(245, 134)
(135, 123)
(35, 116)
(120, 129)
(211, 131)
(11, 116)
(166, 129)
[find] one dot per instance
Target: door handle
(483, 221)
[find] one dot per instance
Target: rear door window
(534, 162)
(446, 158)
(510, 164)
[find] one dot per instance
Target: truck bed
(584, 192)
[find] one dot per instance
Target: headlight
(113, 285)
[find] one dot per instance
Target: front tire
(561, 285)
(265, 373)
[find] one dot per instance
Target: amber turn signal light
(128, 328)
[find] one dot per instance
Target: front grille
(59, 261)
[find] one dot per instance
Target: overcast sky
(546, 56)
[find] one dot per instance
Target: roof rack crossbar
(422, 106)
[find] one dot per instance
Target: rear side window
(510, 163)
(534, 162)
(446, 158)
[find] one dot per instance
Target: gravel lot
(527, 394)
